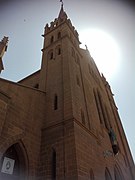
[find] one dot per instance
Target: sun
(104, 50)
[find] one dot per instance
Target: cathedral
(61, 122)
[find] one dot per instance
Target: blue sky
(24, 21)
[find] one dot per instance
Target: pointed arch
(52, 39)
(101, 108)
(58, 50)
(107, 174)
(16, 158)
(98, 106)
(59, 35)
(55, 102)
(50, 54)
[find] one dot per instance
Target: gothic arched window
(98, 106)
(55, 102)
(52, 39)
(50, 54)
(58, 50)
(101, 109)
(14, 161)
(59, 35)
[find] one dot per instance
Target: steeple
(62, 13)
(62, 17)
(3, 48)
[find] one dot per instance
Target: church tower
(82, 135)
(61, 45)
(61, 122)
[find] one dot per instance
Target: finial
(3, 48)
(86, 47)
(5, 40)
(61, 2)
(62, 14)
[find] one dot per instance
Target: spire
(3, 48)
(62, 14)
(61, 2)
(3, 45)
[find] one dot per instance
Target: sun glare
(104, 50)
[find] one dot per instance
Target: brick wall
(23, 121)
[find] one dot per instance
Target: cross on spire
(62, 14)
(61, 2)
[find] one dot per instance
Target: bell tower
(56, 77)
(3, 48)
(57, 37)
(61, 44)
(81, 135)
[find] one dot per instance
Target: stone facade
(62, 122)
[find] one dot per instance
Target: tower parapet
(62, 18)
(3, 48)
